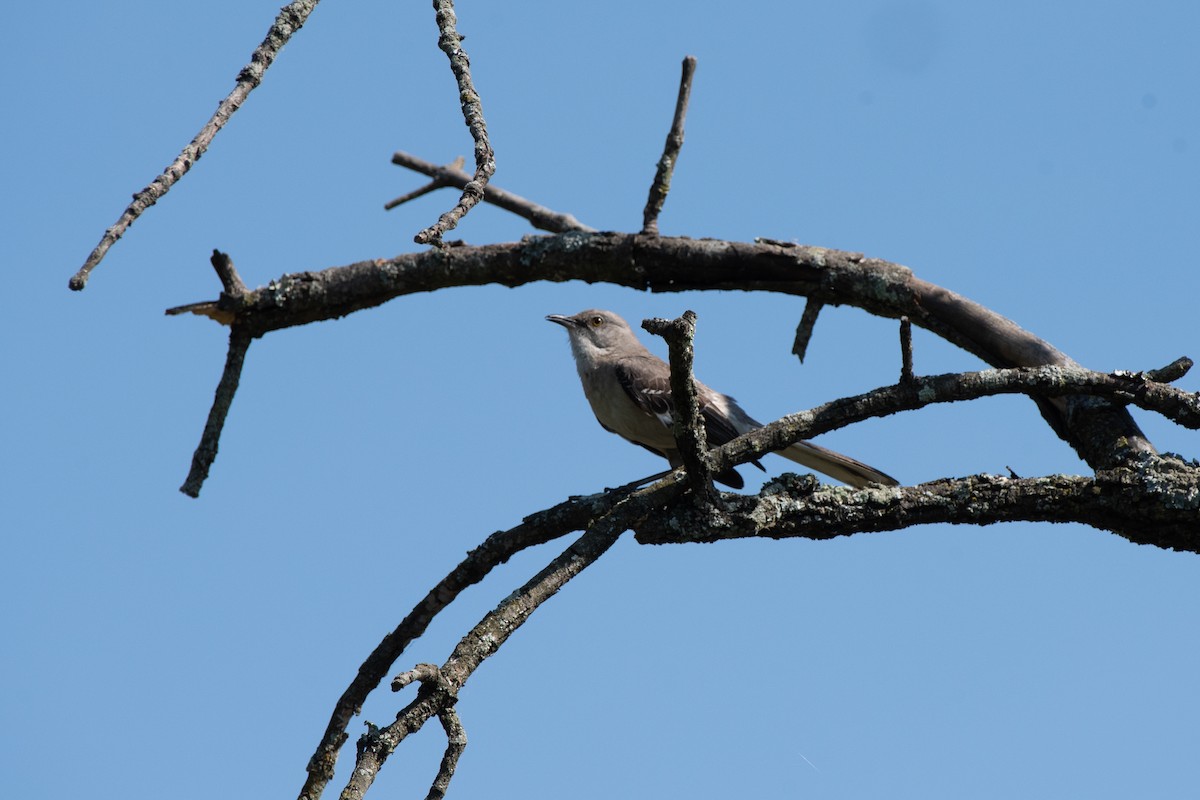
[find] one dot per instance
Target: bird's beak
(566, 322)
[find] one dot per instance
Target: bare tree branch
(689, 431)
(1163, 510)
(290, 19)
(1103, 434)
(1180, 407)
(456, 743)
(804, 331)
(456, 735)
(670, 155)
(206, 451)
(450, 43)
(536, 529)
(489, 635)
(906, 351)
(539, 216)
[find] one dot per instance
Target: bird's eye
(597, 321)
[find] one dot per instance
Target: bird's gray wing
(648, 384)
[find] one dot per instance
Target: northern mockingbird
(629, 389)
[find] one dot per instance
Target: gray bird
(629, 389)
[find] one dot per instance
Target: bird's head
(595, 334)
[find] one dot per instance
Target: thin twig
(206, 451)
(804, 331)
(688, 426)
(906, 352)
(540, 217)
(290, 19)
(228, 274)
(432, 186)
(666, 164)
(485, 159)
(456, 743)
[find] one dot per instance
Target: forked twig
(906, 351)
(536, 529)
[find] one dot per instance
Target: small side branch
(290, 19)
(231, 282)
(804, 331)
(690, 435)
(206, 451)
(540, 217)
(456, 735)
(666, 164)
(1171, 372)
(906, 353)
(1182, 408)
(450, 43)
(456, 743)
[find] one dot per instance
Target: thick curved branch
(290, 19)
(1163, 510)
(1101, 433)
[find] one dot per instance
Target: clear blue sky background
(1041, 158)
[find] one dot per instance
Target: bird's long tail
(835, 465)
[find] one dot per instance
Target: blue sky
(1039, 158)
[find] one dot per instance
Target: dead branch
(1103, 434)
(536, 529)
(290, 19)
(492, 631)
(689, 430)
(206, 451)
(450, 43)
(661, 184)
(804, 330)
(1157, 503)
(538, 216)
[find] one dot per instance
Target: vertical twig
(906, 353)
(290, 19)
(690, 435)
(804, 331)
(456, 743)
(485, 159)
(206, 451)
(670, 155)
